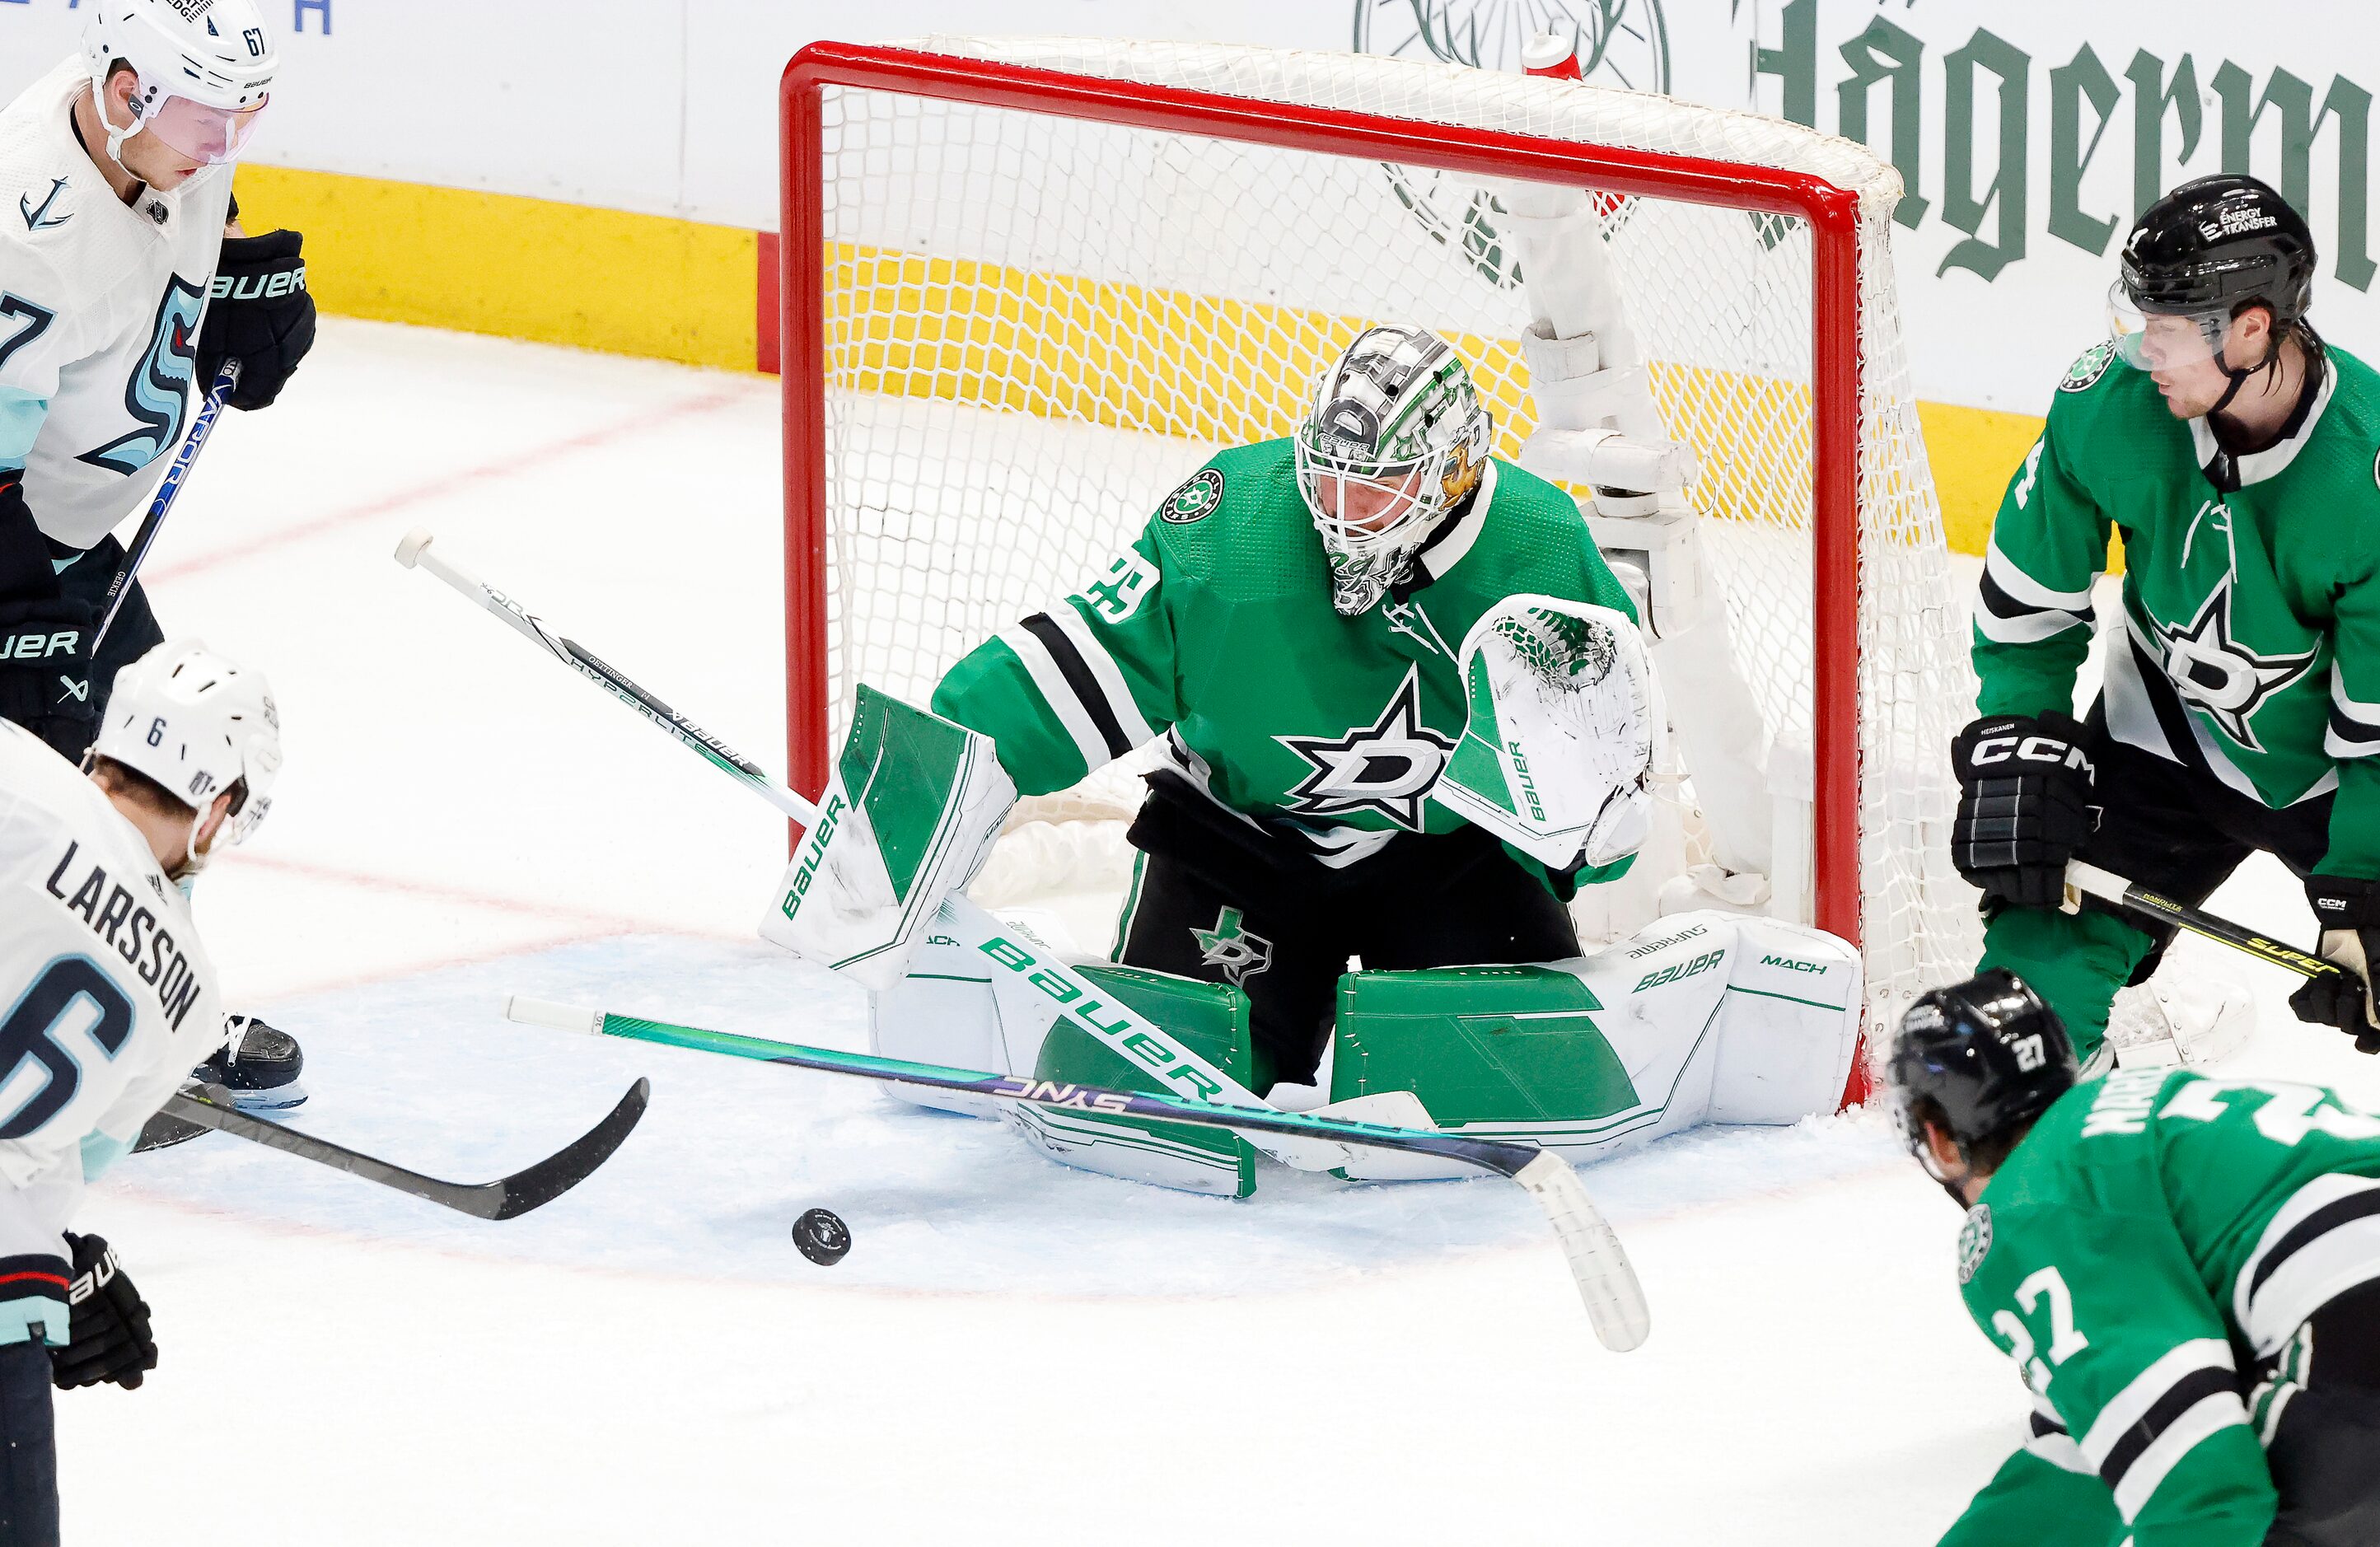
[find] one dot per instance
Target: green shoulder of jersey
(1215, 624)
(2152, 1227)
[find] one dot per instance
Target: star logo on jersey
(41, 219)
(1230, 947)
(1387, 766)
(2222, 678)
(1974, 1241)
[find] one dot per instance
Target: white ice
(1012, 1351)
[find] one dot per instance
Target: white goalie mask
(1395, 439)
(197, 725)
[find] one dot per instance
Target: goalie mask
(1396, 439)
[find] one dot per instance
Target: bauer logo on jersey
(2220, 677)
(1387, 766)
(2085, 372)
(1974, 1241)
(1117, 594)
(1195, 500)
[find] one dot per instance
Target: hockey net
(1036, 307)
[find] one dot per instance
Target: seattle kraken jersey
(111, 1002)
(1216, 629)
(99, 316)
(2252, 590)
(2156, 1233)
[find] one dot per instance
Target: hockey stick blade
(506, 1198)
(1606, 1283)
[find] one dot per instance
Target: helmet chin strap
(116, 135)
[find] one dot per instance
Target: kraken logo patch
(2220, 677)
(1230, 947)
(1387, 766)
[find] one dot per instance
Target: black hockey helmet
(1982, 1058)
(2216, 242)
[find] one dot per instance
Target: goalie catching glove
(907, 818)
(1557, 756)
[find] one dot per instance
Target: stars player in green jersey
(2185, 1270)
(1289, 621)
(2234, 451)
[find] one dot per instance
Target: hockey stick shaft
(2108, 887)
(1615, 1302)
(506, 1198)
(168, 490)
(1121, 1027)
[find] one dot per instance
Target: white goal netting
(1036, 326)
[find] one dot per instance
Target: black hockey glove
(2349, 912)
(258, 313)
(2024, 805)
(109, 1335)
(46, 671)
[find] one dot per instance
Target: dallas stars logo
(1387, 766)
(1230, 947)
(2213, 671)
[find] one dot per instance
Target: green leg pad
(1535, 1056)
(2075, 960)
(1211, 1020)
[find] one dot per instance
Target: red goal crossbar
(1832, 214)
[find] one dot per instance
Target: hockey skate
(258, 1065)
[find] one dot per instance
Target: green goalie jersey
(2252, 589)
(1216, 626)
(2145, 1255)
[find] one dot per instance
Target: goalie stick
(1132, 1036)
(1615, 1303)
(506, 1198)
(1605, 1279)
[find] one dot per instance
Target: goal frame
(1830, 212)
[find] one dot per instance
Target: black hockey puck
(823, 1239)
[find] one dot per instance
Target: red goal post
(1833, 215)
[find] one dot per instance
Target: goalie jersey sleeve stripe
(1109, 698)
(1050, 681)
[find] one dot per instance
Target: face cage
(1365, 561)
(2128, 326)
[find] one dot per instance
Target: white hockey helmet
(197, 725)
(1394, 440)
(205, 67)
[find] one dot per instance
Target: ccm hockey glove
(259, 313)
(2349, 912)
(2024, 805)
(109, 1332)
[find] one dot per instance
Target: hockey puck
(823, 1239)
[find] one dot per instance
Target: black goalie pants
(1214, 898)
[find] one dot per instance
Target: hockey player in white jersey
(123, 277)
(112, 1000)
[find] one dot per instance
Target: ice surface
(1012, 1351)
